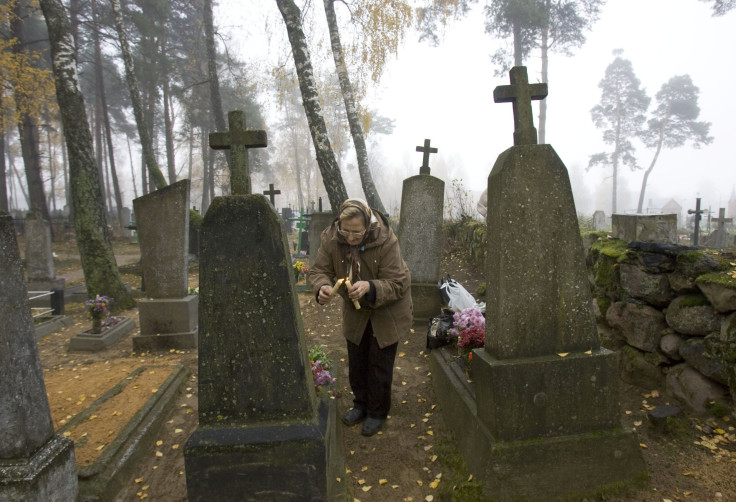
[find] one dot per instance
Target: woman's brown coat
(381, 263)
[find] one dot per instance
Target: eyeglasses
(350, 233)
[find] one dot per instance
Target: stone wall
(670, 312)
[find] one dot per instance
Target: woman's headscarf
(371, 225)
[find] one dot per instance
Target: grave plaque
(262, 429)
(719, 239)
(544, 420)
(35, 464)
(599, 220)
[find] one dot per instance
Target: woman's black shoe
(371, 426)
(354, 416)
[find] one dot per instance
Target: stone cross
(271, 194)
(425, 159)
(238, 140)
(520, 93)
(721, 220)
(697, 212)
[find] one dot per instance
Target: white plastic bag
(455, 295)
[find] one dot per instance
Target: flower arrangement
(300, 270)
(98, 310)
(470, 328)
(321, 366)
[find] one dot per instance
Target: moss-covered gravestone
(420, 235)
(35, 463)
(263, 434)
(544, 421)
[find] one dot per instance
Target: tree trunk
(135, 97)
(132, 170)
(20, 183)
(517, 46)
(106, 118)
(101, 273)
(215, 99)
(3, 178)
(356, 130)
(331, 175)
(205, 172)
(168, 126)
(542, 130)
(654, 161)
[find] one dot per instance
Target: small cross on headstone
(238, 140)
(697, 212)
(722, 220)
(520, 93)
(425, 159)
(271, 194)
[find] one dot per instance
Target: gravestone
(35, 463)
(720, 239)
(262, 431)
(168, 315)
(40, 264)
(645, 227)
(420, 236)
(543, 422)
(599, 220)
(286, 215)
(125, 219)
(271, 193)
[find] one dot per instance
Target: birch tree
(101, 274)
(331, 175)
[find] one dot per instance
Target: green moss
(195, 219)
(604, 303)
(726, 279)
(455, 485)
(690, 256)
(694, 300)
(613, 248)
(717, 409)
(596, 234)
(481, 291)
(604, 269)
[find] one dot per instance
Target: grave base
(167, 323)
(567, 466)
(427, 301)
(93, 342)
(50, 474)
(267, 462)
(106, 476)
(165, 341)
(52, 324)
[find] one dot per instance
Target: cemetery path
(76, 275)
(413, 459)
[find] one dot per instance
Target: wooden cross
(238, 140)
(520, 94)
(271, 194)
(425, 159)
(697, 212)
(722, 220)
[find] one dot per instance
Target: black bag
(437, 330)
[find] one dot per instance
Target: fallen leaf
(364, 468)
(563, 354)
(429, 498)
(434, 484)
(159, 442)
(401, 354)
(642, 445)
(419, 482)
(159, 454)
(178, 431)
(361, 482)
(382, 481)
(139, 480)
(394, 486)
(366, 488)
(433, 458)
(175, 447)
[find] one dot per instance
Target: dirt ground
(413, 459)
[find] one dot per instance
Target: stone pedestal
(167, 323)
(35, 464)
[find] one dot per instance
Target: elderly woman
(359, 255)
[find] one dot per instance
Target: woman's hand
(324, 294)
(359, 290)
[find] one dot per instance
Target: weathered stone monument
(35, 463)
(540, 421)
(319, 221)
(720, 239)
(40, 268)
(645, 227)
(168, 316)
(263, 434)
(420, 235)
(599, 220)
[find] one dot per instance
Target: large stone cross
(271, 194)
(721, 220)
(520, 93)
(425, 159)
(238, 140)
